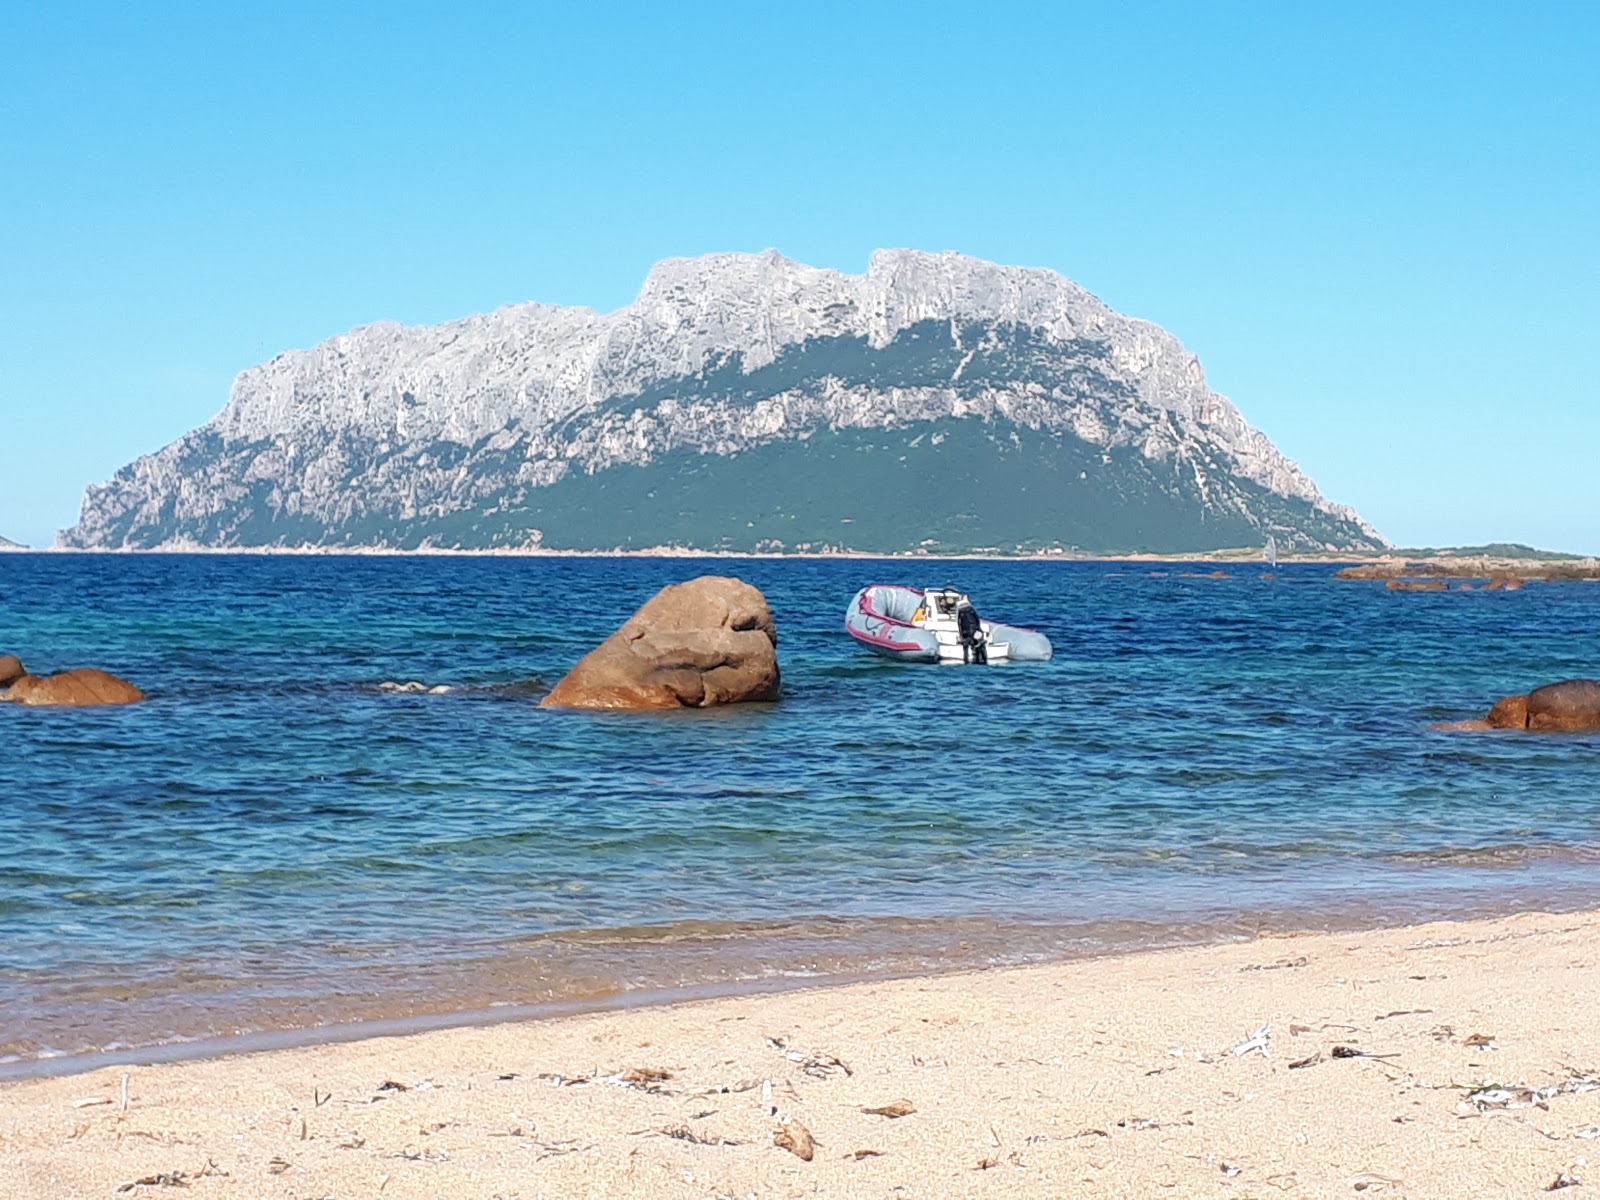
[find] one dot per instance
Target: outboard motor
(969, 628)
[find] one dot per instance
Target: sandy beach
(1451, 1059)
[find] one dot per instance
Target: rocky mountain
(10, 545)
(742, 402)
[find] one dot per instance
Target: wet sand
(1319, 1065)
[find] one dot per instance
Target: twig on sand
(894, 1109)
(1371, 1181)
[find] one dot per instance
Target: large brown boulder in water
(1572, 704)
(1565, 707)
(11, 669)
(77, 689)
(692, 645)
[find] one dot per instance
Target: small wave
(1512, 854)
(516, 689)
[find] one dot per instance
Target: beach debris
(822, 1066)
(1356, 1052)
(729, 1089)
(507, 1077)
(557, 1149)
(1283, 964)
(646, 1079)
(797, 1140)
(1258, 1040)
(160, 1179)
(1309, 1061)
(858, 1155)
(1403, 1012)
(766, 1098)
(91, 1101)
(417, 1154)
(1369, 1181)
(124, 1091)
(1509, 1096)
(1563, 1180)
(1483, 1040)
(683, 1133)
(278, 1166)
(1592, 1132)
(389, 1085)
(893, 1110)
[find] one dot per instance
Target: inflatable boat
(936, 625)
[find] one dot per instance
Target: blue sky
(1378, 225)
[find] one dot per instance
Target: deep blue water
(270, 841)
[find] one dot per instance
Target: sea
(276, 848)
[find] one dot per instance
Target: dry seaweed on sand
(1515, 1095)
(894, 1109)
(683, 1133)
(796, 1139)
(645, 1079)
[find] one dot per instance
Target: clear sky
(1377, 224)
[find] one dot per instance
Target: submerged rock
(1417, 585)
(692, 645)
(83, 688)
(415, 687)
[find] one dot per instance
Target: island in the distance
(743, 403)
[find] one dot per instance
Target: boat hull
(879, 617)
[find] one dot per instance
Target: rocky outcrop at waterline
(1475, 574)
(709, 641)
(84, 687)
(1571, 706)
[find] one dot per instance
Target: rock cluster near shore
(84, 687)
(1432, 575)
(709, 641)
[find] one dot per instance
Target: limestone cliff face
(933, 380)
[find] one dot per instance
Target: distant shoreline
(1213, 558)
(1239, 557)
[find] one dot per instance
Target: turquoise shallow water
(273, 843)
